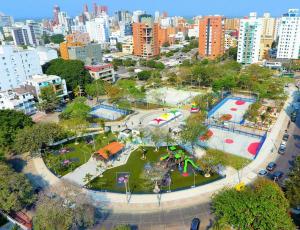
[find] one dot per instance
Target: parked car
(294, 116)
(263, 172)
(281, 149)
(271, 166)
(277, 175)
(285, 136)
(195, 224)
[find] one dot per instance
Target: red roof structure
(113, 148)
(97, 68)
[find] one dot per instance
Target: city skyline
(19, 10)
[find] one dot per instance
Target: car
(263, 172)
(285, 136)
(293, 116)
(281, 149)
(195, 224)
(271, 166)
(277, 175)
(58, 110)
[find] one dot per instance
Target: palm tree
(87, 179)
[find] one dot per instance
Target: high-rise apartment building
(17, 66)
(56, 11)
(211, 36)
(24, 35)
(231, 23)
(145, 37)
(249, 39)
(267, 35)
(98, 28)
(289, 35)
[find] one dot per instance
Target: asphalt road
(292, 149)
(179, 219)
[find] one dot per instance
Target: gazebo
(109, 150)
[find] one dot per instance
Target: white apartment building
(17, 66)
(136, 15)
(18, 99)
(46, 54)
(249, 39)
(40, 81)
(98, 29)
(289, 35)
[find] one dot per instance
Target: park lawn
(135, 166)
(146, 106)
(80, 153)
(227, 159)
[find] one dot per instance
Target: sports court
(231, 109)
(238, 143)
(108, 112)
(170, 96)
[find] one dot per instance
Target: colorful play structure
(165, 117)
(194, 108)
(180, 157)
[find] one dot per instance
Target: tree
(96, 88)
(57, 38)
(144, 75)
(193, 129)
(64, 206)
(11, 121)
(31, 138)
(156, 135)
(76, 110)
(49, 99)
(119, 46)
(16, 191)
(293, 184)
(123, 227)
(262, 206)
(72, 71)
(87, 178)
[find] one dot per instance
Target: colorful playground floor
(231, 109)
(237, 143)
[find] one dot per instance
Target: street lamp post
(193, 186)
(157, 191)
(127, 188)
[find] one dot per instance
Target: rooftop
(43, 77)
(113, 148)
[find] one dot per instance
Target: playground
(170, 96)
(66, 157)
(164, 118)
(234, 142)
(108, 112)
(176, 168)
(231, 109)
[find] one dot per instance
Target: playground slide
(186, 164)
(164, 157)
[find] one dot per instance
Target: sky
(23, 9)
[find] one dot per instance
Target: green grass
(81, 152)
(228, 159)
(145, 106)
(135, 166)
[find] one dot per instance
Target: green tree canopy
(96, 88)
(15, 190)
(144, 75)
(57, 38)
(262, 206)
(49, 99)
(11, 121)
(72, 71)
(31, 138)
(77, 109)
(293, 184)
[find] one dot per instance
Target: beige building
(231, 23)
(267, 35)
(127, 46)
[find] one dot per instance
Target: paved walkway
(96, 168)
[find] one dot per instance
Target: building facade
(249, 39)
(104, 72)
(46, 54)
(211, 37)
(289, 35)
(145, 37)
(17, 66)
(38, 82)
(24, 36)
(267, 35)
(98, 29)
(18, 100)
